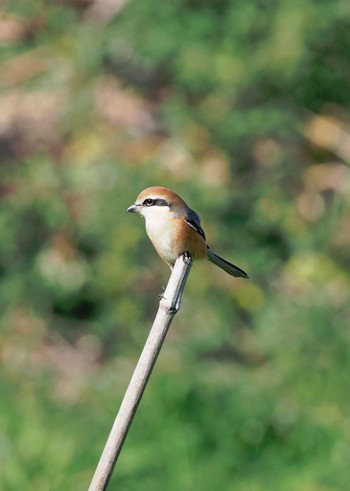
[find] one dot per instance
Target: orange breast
(188, 240)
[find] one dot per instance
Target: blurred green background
(242, 107)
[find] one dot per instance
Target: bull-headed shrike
(175, 229)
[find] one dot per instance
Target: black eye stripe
(161, 202)
(155, 202)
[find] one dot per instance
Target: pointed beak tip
(132, 209)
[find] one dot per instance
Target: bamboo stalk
(168, 307)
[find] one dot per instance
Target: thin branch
(168, 306)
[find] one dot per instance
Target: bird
(175, 229)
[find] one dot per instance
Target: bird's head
(157, 201)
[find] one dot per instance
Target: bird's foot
(186, 256)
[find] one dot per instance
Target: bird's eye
(148, 202)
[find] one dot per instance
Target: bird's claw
(186, 256)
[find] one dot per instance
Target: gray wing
(194, 221)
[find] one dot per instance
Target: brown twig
(168, 306)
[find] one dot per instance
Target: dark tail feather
(226, 266)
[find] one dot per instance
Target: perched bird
(174, 228)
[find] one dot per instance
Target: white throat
(158, 219)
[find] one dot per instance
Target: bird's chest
(161, 233)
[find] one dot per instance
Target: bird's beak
(132, 209)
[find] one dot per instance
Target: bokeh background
(242, 107)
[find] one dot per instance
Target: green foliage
(243, 109)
